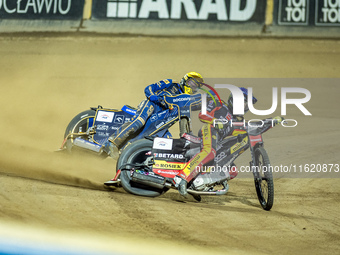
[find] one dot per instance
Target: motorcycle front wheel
(263, 178)
(137, 153)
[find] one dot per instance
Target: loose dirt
(49, 199)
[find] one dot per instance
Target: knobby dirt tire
(264, 183)
(77, 124)
(136, 153)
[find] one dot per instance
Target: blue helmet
(245, 95)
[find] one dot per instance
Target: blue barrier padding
(10, 247)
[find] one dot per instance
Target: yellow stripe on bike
(193, 163)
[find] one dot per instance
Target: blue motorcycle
(90, 129)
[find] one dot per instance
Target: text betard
(221, 10)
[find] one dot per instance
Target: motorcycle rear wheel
(80, 123)
(136, 153)
(263, 178)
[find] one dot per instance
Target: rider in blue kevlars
(154, 93)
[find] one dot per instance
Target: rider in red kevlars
(217, 128)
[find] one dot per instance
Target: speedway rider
(217, 127)
(154, 102)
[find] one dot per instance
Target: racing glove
(158, 99)
(218, 124)
(153, 98)
(278, 120)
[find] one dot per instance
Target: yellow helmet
(191, 82)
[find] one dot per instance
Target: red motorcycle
(147, 166)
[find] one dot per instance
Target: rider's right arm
(209, 116)
(156, 87)
(206, 118)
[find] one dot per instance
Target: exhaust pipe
(87, 145)
(155, 181)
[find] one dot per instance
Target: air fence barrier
(265, 18)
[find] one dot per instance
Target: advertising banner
(327, 13)
(41, 9)
(308, 12)
(293, 12)
(233, 11)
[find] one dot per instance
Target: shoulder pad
(164, 83)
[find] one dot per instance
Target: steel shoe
(111, 150)
(182, 188)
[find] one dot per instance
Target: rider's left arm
(156, 87)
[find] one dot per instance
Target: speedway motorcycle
(143, 168)
(148, 166)
(90, 129)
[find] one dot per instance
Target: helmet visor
(194, 84)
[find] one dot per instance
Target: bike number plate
(169, 156)
(107, 122)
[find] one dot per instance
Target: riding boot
(181, 185)
(182, 188)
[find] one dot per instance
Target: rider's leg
(193, 168)
(145, 109)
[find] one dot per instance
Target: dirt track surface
(59, 200)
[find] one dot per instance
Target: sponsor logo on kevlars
(181, 99)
